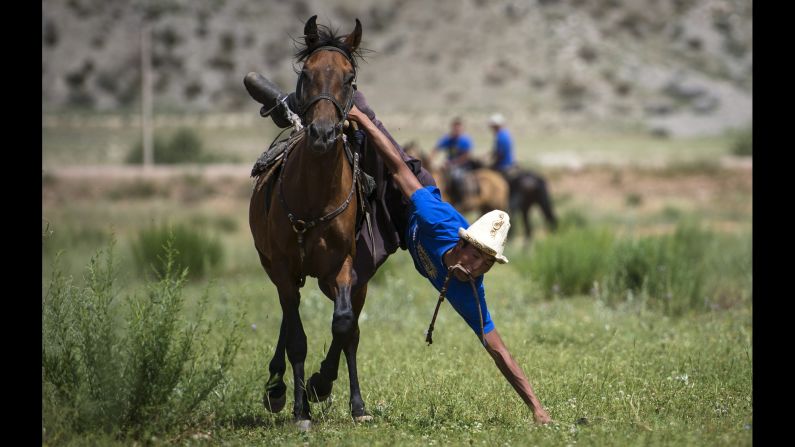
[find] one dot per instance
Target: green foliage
(184, 146)
(137, 189)
(146, 370)
(670, 271)
(743, 143)
(195, 250)
(569, 262)
(634, 199)
(572, 219)
(689, 270)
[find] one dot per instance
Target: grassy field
(612, 369)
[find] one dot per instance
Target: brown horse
(481, 190)
(309, 228)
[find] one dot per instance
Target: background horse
(479, 190)
(518, 193)
(309, 228)
(527, 189)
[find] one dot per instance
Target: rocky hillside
(677, 67)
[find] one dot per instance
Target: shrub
(743, 143)
(668, 271)
(195, 251)
(569, 262)
(572, 219)
(692, 269)
(142, 371)
(185, 146)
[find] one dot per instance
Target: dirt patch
(650, 190)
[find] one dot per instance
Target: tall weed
(569, 262)
(143, 371)
(692, 269)
(195, 250)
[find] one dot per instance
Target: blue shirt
(432, 230)
(503, 149)
(455, 146)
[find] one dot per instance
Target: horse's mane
(327, 38)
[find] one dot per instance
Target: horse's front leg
(343, 320)
(289, 297)
(275, 395)
(342, 325)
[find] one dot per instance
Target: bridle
(304, 105)
(301, 225)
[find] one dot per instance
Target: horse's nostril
(313, 131)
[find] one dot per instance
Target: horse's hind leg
(350, 348)
(546, 206)
(275, 395)
(528, 226)
(320, 384)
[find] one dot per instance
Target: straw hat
(489, 233)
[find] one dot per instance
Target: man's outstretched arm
(402, 174)
(515, 376)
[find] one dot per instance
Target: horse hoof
(274, 404)
(319, 389)
(304, 425)
(363, 418)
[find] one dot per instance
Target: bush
(185, 146)
(572, 220)
(144, 371)
(195, 251)
(692, 269)
(743, 143)
(668, 272)
(569, 262)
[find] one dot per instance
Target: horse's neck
(318, 181)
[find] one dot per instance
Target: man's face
(472, 259)
(455, 129)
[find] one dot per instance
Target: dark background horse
(528, 188)
(309, 228)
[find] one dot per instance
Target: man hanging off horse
(454, 256)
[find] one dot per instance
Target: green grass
(639, 377)
(638, 374)
(127, 373)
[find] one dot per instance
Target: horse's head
(326, 83)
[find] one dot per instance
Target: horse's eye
(348, 78)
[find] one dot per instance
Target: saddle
(267, 167)
(463, 184)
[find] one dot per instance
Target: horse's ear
(355, 38)
(310, 32)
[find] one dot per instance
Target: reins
(443, 294)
